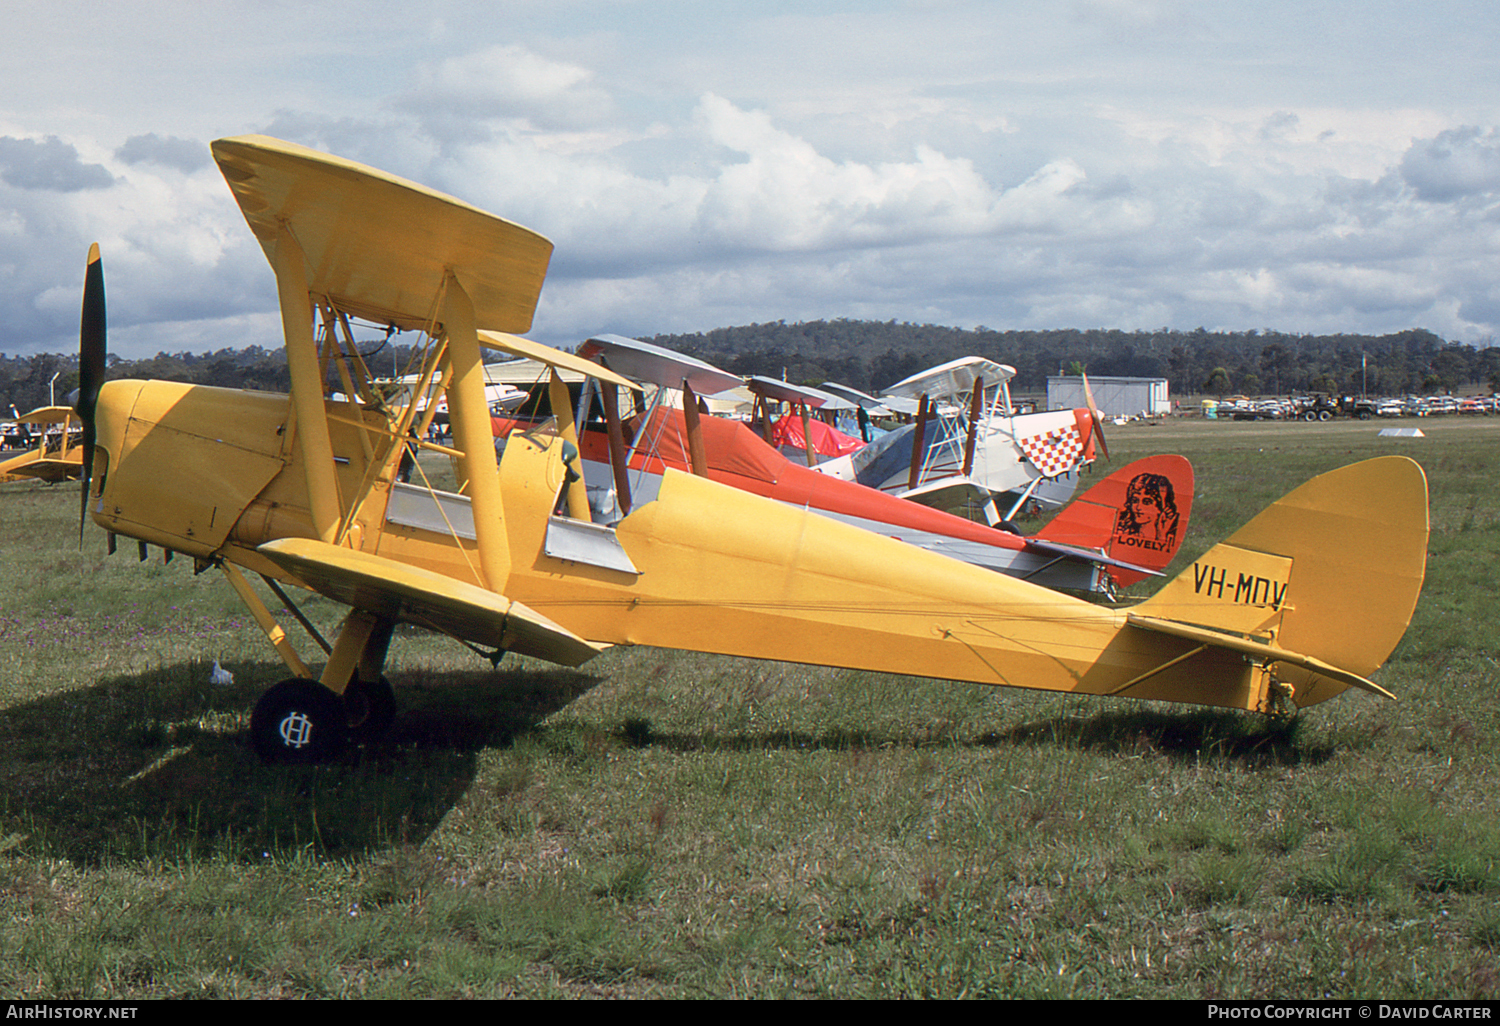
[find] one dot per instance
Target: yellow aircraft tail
(1322, 583)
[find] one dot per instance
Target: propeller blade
(91, 353)
(1088, 394)
(1099, 428)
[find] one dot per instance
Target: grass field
(674, 825)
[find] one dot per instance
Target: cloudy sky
(1303, 165)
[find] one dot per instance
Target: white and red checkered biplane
(968, 449)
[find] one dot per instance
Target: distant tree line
(27, 382)
(871, 355)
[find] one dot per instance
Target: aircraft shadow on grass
(1179, 735)
(158, 765)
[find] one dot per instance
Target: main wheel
(370, 708)
(297, 723)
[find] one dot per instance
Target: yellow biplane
(1305, 601)
(57, 456)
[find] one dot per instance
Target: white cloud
(48, 164)
(1455, 164)
(186, 155)
(510, 84)
(786, 195)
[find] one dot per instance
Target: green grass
(675, 825)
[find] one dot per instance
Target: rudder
(1138, 514)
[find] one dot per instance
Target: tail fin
(1138, 514)
(1331, 571)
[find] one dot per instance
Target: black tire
(369, 708)
(1324, 415)
(298, 723)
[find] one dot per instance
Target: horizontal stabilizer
(408, 594)
(1257, 650)
(1046, 548)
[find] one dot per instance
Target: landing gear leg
(302, 721)
(368, 697)
(370, 707)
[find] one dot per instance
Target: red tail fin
(1138, 514)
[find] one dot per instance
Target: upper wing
(954, 378)
(48, 415)
(536, 351)
(57, 462)
(381, 247)
(646, 362)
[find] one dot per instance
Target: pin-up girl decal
(1149, 515)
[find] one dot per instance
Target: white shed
(1115, 397)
